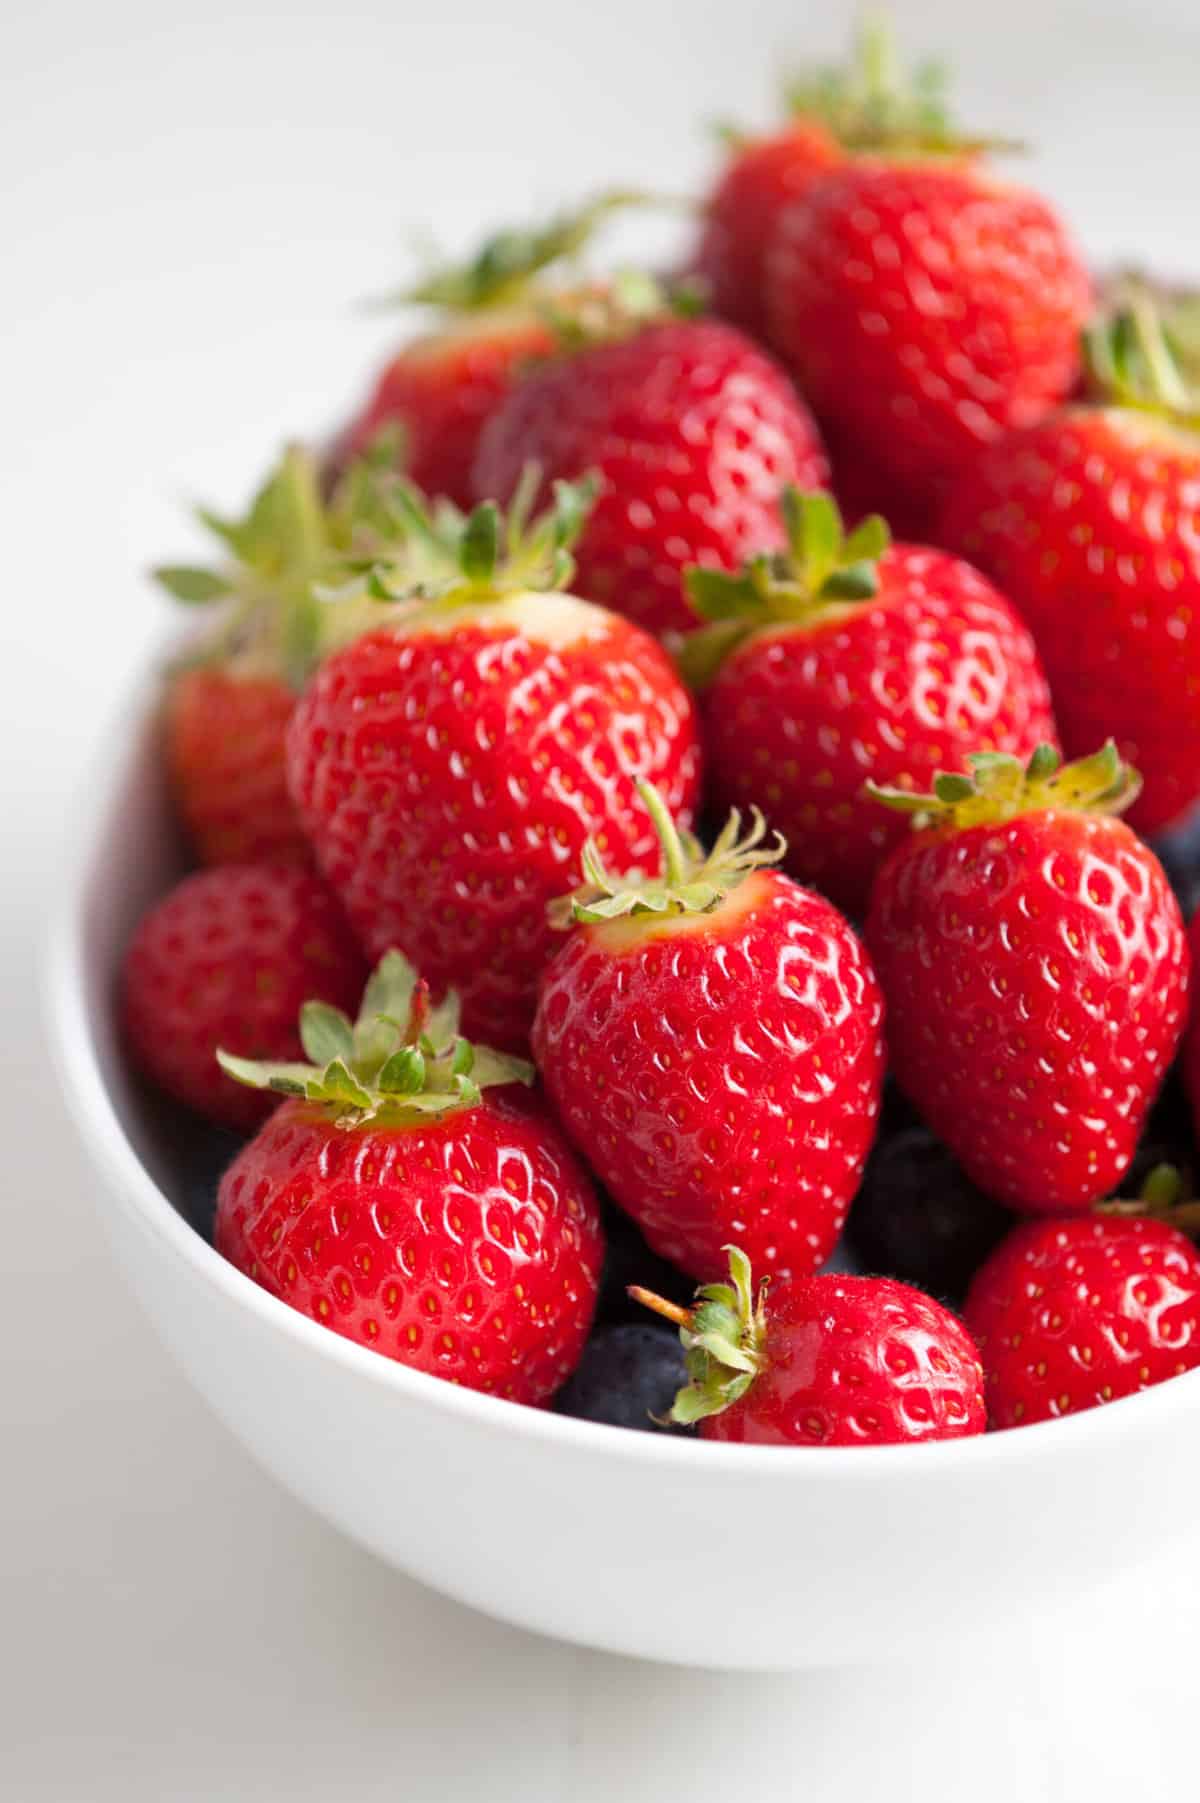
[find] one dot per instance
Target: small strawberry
(227, 958)
(711, 1038)
(824, 1361)
(692, 431)
(925, 307)
(1072, 1313)
(450, 766)
(229, 700)
(1090, 520)
(840, 660)
(490, 322)
(1036, 973)
(405, 1197)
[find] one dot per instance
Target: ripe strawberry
(1069, 1314)
(711, 1039)
(761, 176)
(229, 701)
(1036, 974)
(1090, 520)
(449, 767)
(824, 1361)
(840, 660)
(954, 300)
(692, 430)
(405, 1198)
(436, 393)
(227, 958)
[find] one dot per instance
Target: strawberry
(711, 1038)
(1090, 520)
(824, 1361)
(1072, 1313)
(839, 660)
(227, 958)
(449, 767)
(434, 396)
(230, 698)
(406, 1197)
(1036, 973)
(954, 300)
(692, 431)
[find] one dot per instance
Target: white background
(192, 199)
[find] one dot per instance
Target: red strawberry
(437, 392)
(824, 1361)
(762, 175)
(925, 307)
(404, 1200)
(692, 430)
(1036, 973)
(1091, 521)
(711, 1040)
(227, 958)
(841, 660)
(229, 702)
(1069, 1314)
(450, 767)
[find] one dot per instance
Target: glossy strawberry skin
(722, 1080)
(1091, 522)
(450, 779)
(800, 717)
(439, 391)
(857, 1361)
(1037, 978)
(761, 177)
(468, 1247)
(1071, 1314)
(227, 959)
(954, 302)
(693, 432)
(225, 760)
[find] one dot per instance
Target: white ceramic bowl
(670, 1549)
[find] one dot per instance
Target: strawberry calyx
(1143, 352)
(723, 1335)
(821, 572)
(691, 880)
(1166, 1195)
(503, 272)
(278, 553)
(619, 307)
(872, 103)
(402, 1058)
(448, 558)
(1000, 787)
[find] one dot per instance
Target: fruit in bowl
(641, 1053)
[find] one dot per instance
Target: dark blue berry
(920, 1218)
(628, 1375)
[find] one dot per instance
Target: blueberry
(1178, 851)
(628, 1259)
(920, 1218)
(627, 1375)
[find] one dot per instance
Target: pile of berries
(623, 865)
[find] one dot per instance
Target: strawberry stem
(670, 1311)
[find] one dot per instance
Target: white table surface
(191, 199)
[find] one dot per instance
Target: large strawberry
(450, 766)
(405, 1197)
(925, 307)
(1090, 520)
(823, 1361)
(226, 959)
(711, 1038)
(842, 660)
(1036, 973)
(1070, 1314)
(692, 431)
(490, 321)
(231, 695)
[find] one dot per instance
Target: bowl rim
(93, 1111)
